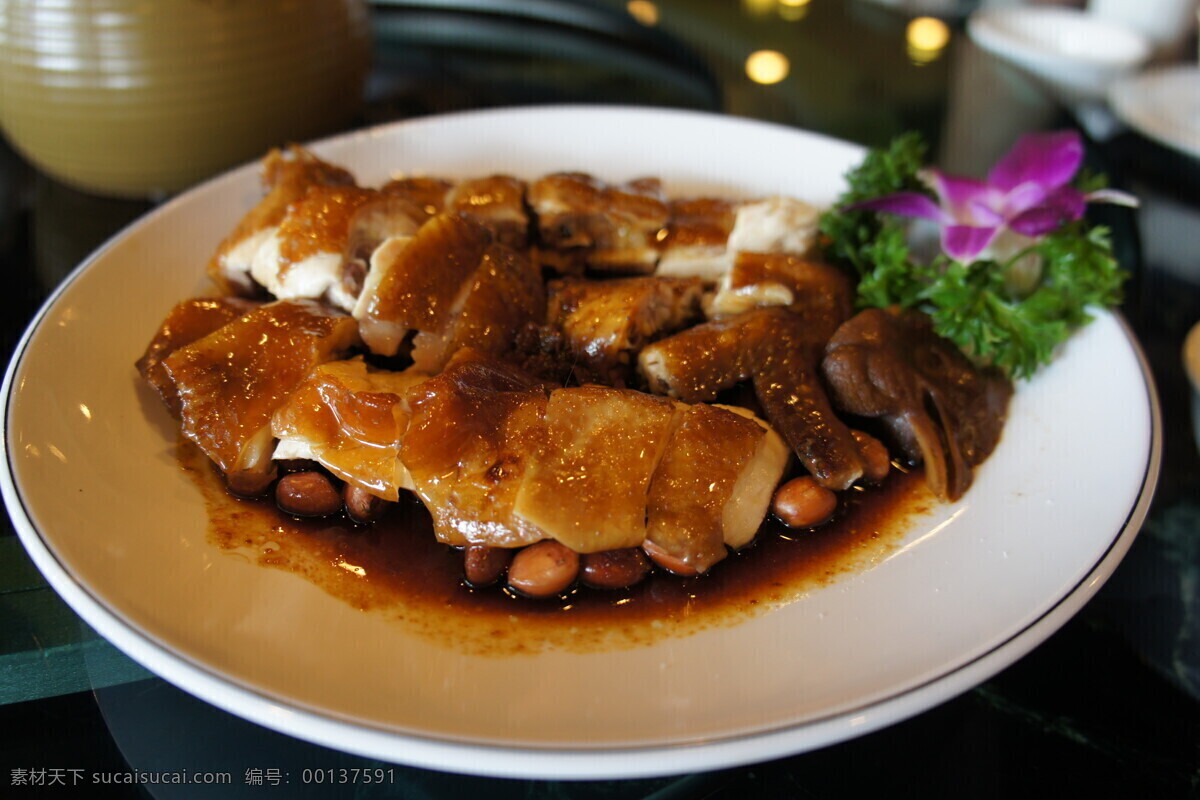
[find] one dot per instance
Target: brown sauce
(396, 568)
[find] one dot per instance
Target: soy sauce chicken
(779, 351)
(513, 408)
(473, 432)
(611, 228)
(350, 419)
(606, 323)
(287, 176)
(190, 320)
(231, 382)
(503, 460)
(694, 243)
(320, 247)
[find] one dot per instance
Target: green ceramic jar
(145, 97)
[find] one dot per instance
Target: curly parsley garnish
(1018, 265)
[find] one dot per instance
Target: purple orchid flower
(1028, 192)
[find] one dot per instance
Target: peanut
(483, 564)
(614, 569)
(307, 494)
(543, 569)
(803, 503)
(361, 505)
(876, 462)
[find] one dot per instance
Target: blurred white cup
(1164, 22)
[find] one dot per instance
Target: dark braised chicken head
(890, 365)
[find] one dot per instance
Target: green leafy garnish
(1010, 311)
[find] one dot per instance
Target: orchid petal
(908, 204)
(1048, 159)
(1022, 198)
(965, 242)
(982, 215)
(1064, 205)
(1114, 196)
(963, 198)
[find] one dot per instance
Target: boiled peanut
(248, 483)
(361, 505)
(614, 569)
(670, 563)
(483, 564)
(803, 503)
(876, 462)
(307, 494)
(543, 569)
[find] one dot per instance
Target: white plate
(1163, 104)
(1076, 53)
(120, 534)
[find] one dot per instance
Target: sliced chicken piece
(608, 227)
(750, 498)
(231, 382)
(417, 283)
(190, 320)
(319, 249)
(696, 364)
(504, 295)
(351, 419)
(818, 290)
(287, 176)
(474, 430)
(713, 485)
(940, 408)
(588, 485)
(498, 201)
(780, 351)
(428, 194)
(696, 238)
(775, 225)
(543, 350)
(606, 323)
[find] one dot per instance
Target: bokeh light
(643, 11)
(767, 66)
(927, 37)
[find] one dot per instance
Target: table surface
(1107, 703)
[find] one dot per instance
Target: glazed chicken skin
(320, 247)
(497, 201)
(694, 241)
(713, 484)
(505, 293)
(350, 419)
(451, 285)
(231, 382)
(606, 323)
(820, 292)
(188, 321)
(587, 486)
(503, 460)
(473, 431)
(779, 352)
(286, 175)
(610, 228)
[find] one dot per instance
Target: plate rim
(574, 762)
(988, 24)
(1122, 97)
